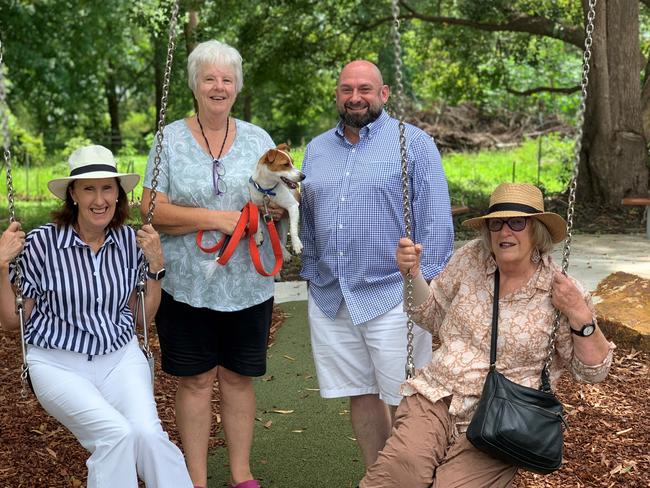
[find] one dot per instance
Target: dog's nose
(302, 176)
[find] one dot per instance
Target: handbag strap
(545, 381)
(495, 322)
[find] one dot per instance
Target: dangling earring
(74, 202)
(535, 256)
(117, 201)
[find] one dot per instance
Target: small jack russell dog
(275, 179)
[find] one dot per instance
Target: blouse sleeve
(566, 352)
(430, 314)
(30, 262)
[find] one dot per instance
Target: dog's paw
(296, 244)
(286, 255)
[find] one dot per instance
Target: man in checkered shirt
(351, 221)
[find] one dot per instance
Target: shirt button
(347, 173)
(343, 199)
(353, 149)
(98, 299)
(341, 253)
(340, 226)
(95, 273)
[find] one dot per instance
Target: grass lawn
(295, 426)
(471, 176)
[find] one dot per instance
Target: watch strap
(159, 275)
(585, 331)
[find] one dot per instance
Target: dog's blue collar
(266, 191)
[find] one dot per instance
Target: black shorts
(195, 340)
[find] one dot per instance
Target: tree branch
(536, 25)
(547, 89)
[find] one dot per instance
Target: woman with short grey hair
(213, 322)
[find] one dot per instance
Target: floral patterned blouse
(459, 311)
(193, 277)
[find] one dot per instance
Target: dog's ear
(284, 147)
(270, 155)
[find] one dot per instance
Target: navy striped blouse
(81, 298)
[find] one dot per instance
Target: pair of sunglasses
(516, 224)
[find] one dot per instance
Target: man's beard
(360, 120)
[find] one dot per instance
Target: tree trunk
(248, 106)
(190, 36)
(613, 158)
(113, 101)
(645, 102)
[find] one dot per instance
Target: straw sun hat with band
(92, 162)
(520, 200)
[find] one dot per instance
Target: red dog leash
(227, 244)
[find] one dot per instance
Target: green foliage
(135, 128)
(473, 176)
(96, 52)
(92, 49)
(73, 144)
(26, 147)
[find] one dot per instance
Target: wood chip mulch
(36, 451)
(607, 444)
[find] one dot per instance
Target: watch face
(588, 330)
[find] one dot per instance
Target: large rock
(623, 308)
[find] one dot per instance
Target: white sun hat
(92, 162)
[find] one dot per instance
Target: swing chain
(171, 44)
(577, 149)
(18, 280)
(141, 287)
(406, 205)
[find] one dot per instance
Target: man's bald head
(362, 67)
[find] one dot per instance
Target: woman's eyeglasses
(218, 182)
(516, 224)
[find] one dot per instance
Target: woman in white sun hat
(428, 446)
(79, 278)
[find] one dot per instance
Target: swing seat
(640, 201)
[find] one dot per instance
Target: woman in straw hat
(79, 276)
(428, 445)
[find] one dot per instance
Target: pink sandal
(247, 484)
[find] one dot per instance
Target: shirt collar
(368, 130)
(541, 279)
(68, 237)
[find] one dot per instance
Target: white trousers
(368, 358)
(108, 404)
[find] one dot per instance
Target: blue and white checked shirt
(81, 298)
(352, 217)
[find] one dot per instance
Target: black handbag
(517, 424)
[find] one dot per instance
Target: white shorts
(368, 358)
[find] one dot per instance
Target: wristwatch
(585, 331)
(159, 275)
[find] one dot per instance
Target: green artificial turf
(301, 440)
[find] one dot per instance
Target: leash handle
(224, 244)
